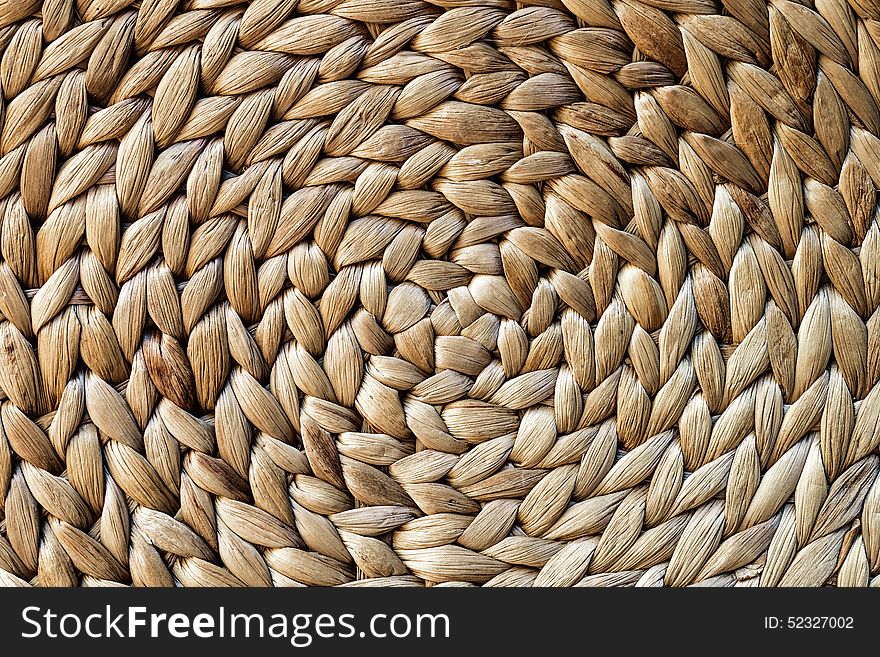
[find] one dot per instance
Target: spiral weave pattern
(407, 292)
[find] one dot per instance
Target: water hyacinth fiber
(419, 292)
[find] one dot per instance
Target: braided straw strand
(439, 292)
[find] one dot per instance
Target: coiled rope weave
(399, 292)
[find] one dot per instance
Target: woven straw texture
(419, 292)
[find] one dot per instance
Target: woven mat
(419, 292)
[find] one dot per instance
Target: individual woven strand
(390, 292)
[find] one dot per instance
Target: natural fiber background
(402, 292)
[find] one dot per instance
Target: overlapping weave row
(403, 292)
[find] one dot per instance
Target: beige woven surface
(395, 292)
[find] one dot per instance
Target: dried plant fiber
(410, 292)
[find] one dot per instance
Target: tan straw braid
(417, 292)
